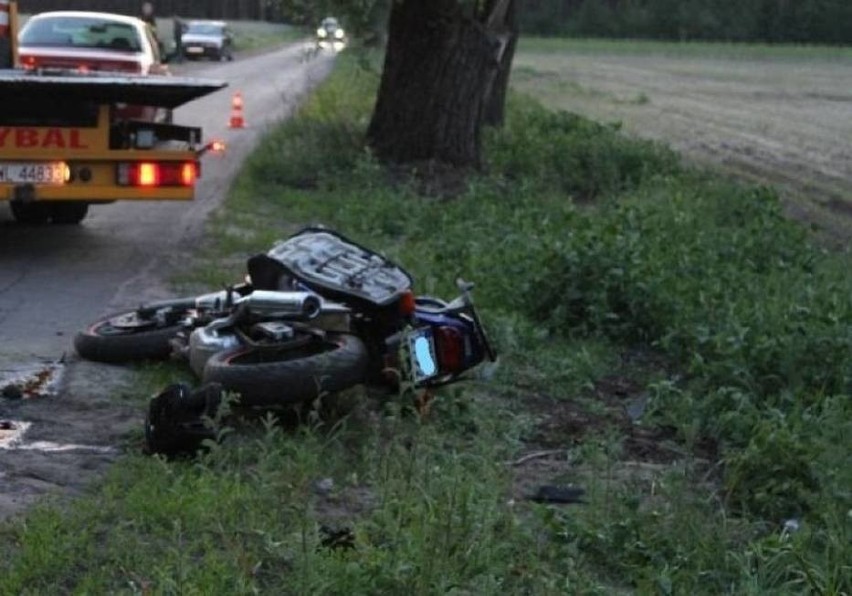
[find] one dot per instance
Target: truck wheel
(72, 212)
(30, 213)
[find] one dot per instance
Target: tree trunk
(495, 107)
(437, 76)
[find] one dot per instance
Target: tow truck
(64, 144)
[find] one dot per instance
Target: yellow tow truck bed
(64, 143)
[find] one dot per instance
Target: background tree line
(203, 9)
(772, 21)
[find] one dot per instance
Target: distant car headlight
(339, 33)
(321, 32)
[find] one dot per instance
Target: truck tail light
(153, 174)
(188, 173)
(147, 174)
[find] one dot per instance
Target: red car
(93, 41)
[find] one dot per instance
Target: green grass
(610, 275)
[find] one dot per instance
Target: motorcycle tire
(103, 342)
(265, 377)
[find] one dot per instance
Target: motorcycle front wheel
(126, 337)
(267, 377)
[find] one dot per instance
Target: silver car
(208, 39)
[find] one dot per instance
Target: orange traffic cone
(237, 120)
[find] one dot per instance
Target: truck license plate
(54, 172)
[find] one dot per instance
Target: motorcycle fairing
(330, 264)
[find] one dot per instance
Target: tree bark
(439, 67)
(495, 109)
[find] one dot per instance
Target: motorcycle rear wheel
(265, 377)
(105, 341)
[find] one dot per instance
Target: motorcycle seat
(331, 265)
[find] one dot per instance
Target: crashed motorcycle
(379, 331)
(319, 314)
(280, 362)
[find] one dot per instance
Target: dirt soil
(64, 420)
(772, 118)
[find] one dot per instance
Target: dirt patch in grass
(611, 416)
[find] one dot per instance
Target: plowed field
(773, 115)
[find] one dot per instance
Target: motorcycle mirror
(464, 286)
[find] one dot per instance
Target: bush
(714, 276)
(567, 153)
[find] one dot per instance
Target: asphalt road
(55, 279)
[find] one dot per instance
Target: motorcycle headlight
(339, 33)
(321, 32)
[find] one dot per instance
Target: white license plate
(421, 346)
(195, 50)
(53, 172)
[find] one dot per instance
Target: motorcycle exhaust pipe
(268, 303)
